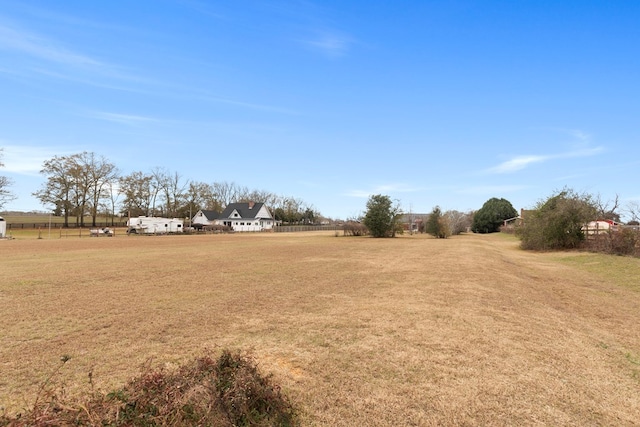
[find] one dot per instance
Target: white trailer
(154, 225)
(3, 228)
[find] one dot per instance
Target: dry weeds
(359, 331)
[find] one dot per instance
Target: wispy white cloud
(89, 78)
(395, 188)
(203, 8)
(331, 43)
(579, 134)
(127, 119)
(14, 39)
(26, 159)
(360, 194)
(252, 106)
(521, 162)
(491, 189)
(58, 61)
(517, 163)
(382, 189)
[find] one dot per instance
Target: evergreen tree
(381, 217)
(491, 216)
(437, 224)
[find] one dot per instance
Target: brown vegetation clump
(622, 242)
(355, 228)
(225, 392)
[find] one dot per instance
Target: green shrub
(490, 217)
(557, 222)
(381, 217)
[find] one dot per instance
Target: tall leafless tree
(138, 193)
(5, 195)
(99, 174)
(633, 209)
(75, 184)
(607, 209)
(58, 190)
(171, 190)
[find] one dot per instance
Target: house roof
(210, 215)
(415, 217)
(245, 210)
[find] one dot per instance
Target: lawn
(358, 331)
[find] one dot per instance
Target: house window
(242, 223)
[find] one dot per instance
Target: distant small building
(600, 226)
(413, 222)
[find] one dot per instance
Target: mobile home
(154, 225)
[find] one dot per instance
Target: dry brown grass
(359, 331)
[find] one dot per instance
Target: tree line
(383, 218)
(557, 222)
(87, 185)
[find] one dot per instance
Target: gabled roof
(210, 215)
(245, 210)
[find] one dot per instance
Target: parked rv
(154, 225)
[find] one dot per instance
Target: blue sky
(443, 103)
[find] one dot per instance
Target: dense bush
(490, 217)
(557, 222)
(227, 391)
(354, 228)
(622, 242)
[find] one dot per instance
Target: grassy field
(359, 331)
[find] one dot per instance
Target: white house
(248, 216)
(204, 218)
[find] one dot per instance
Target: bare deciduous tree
(58, 190)
(100, 176)
(138, 193)
(225, 192)
(607, 209)
(633, 209)
(76, 184)
(5, 195)
(459, 222)
(171, 190)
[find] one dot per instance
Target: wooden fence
(297, 228)
(56, 225)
